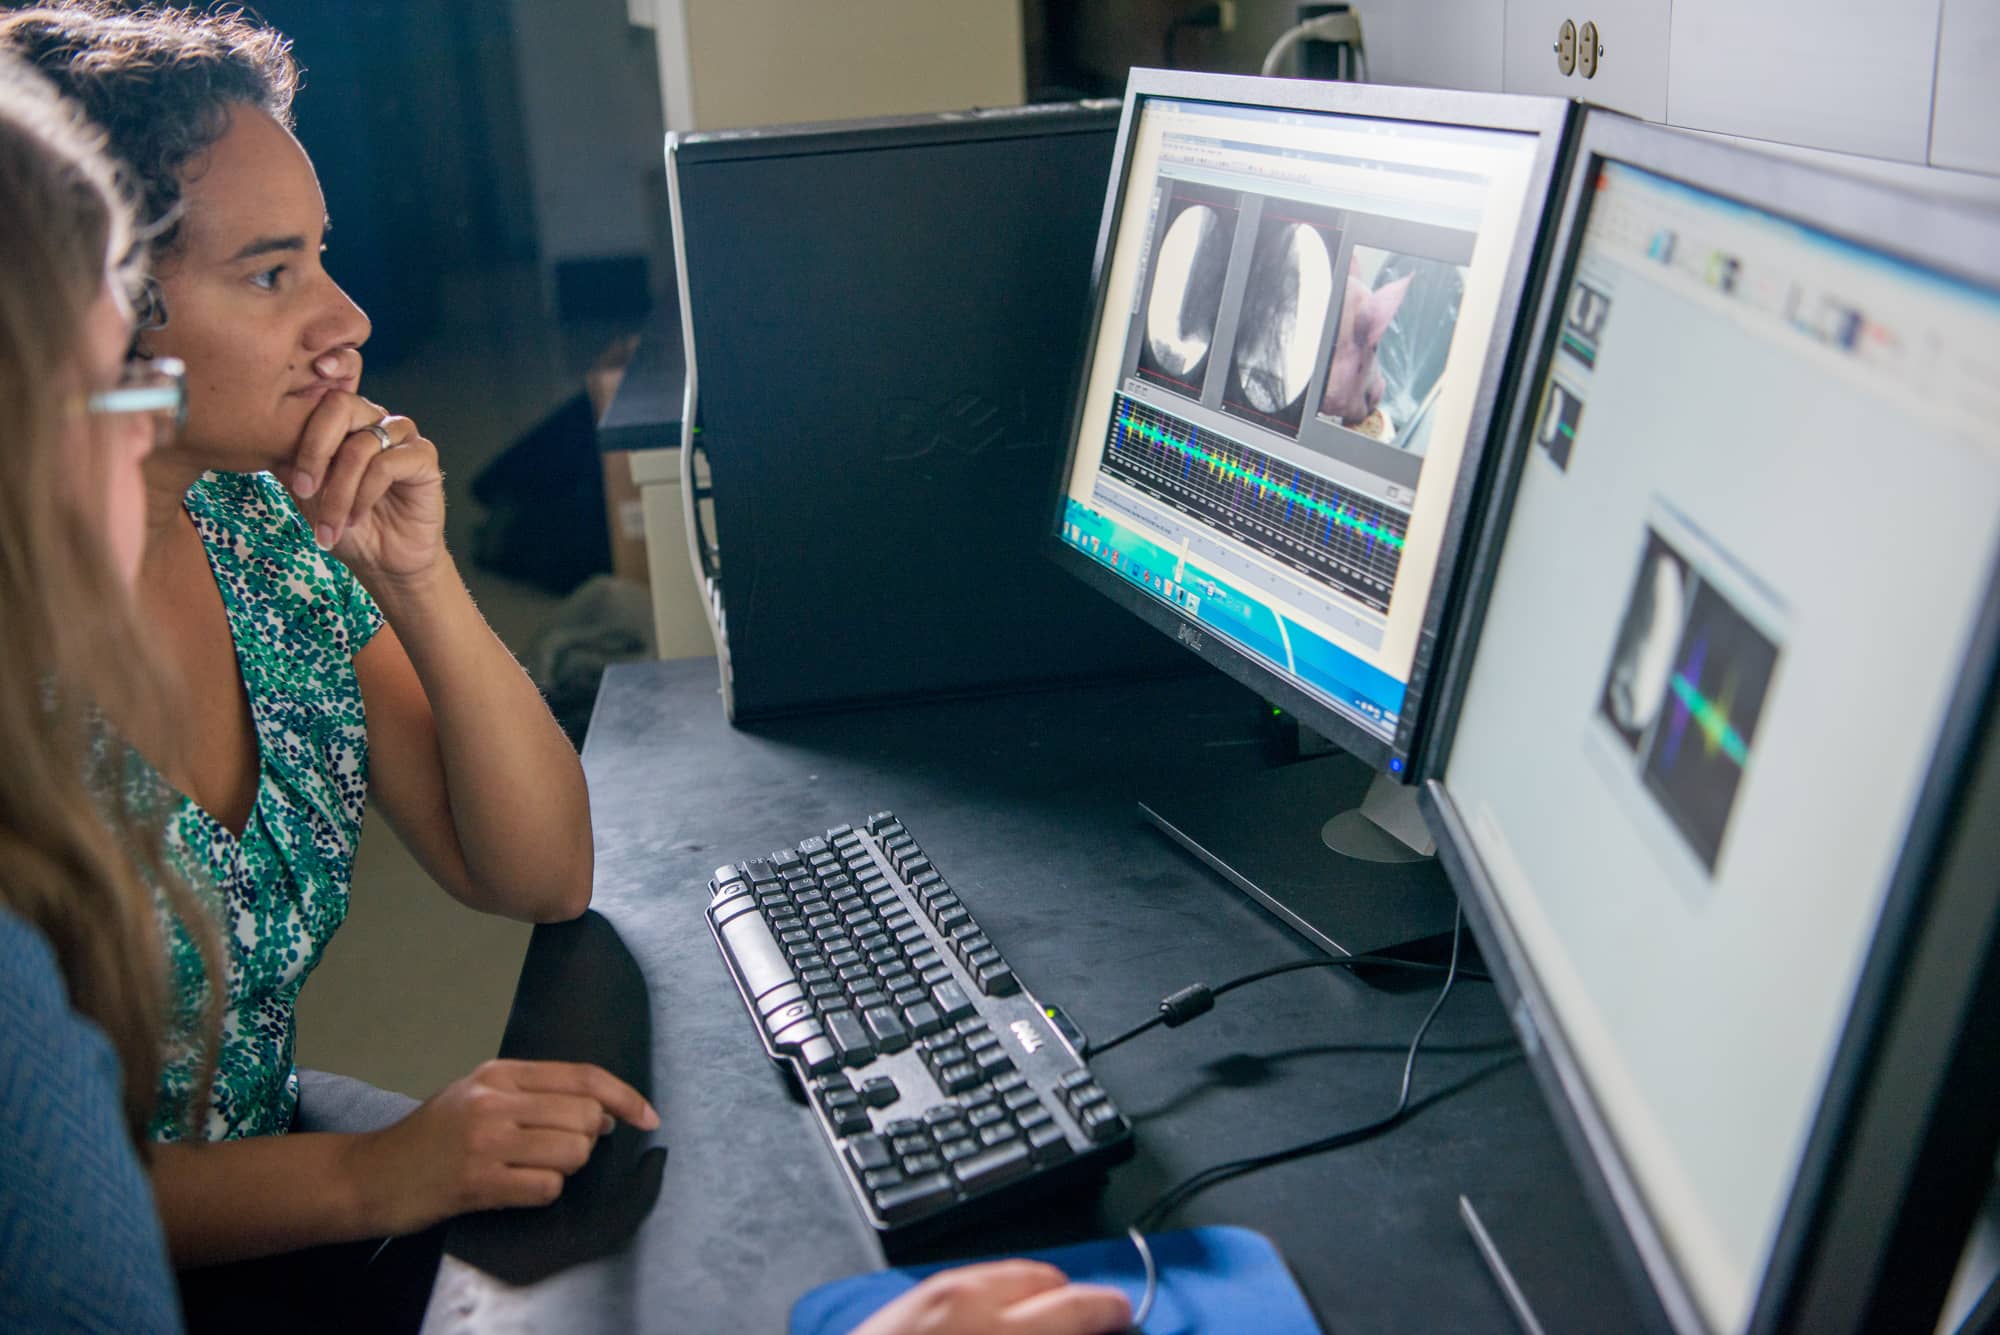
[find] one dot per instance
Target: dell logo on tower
(1031, 1039)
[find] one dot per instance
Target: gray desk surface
(1027, 804)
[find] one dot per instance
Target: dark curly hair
(160, 80)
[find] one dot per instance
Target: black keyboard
(940, 1083)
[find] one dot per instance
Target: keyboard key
(1010, 1081)
(868, 1153)
(879, 1091)
(1033, 1116)
(1002, 1163)
(941, 1112)
(992, 1062)
(818, 1056)
(887, 1027)
(922, 1018)
(1047, 1144)
(1101, 1122)
(1083, 1096)
(849, 1118)
(918, 1195)
(950, 1055)
(903, 1126)
(987, 1115)
(956, 1079)
(953, 1151)
(952, 1003)
(793, 1037)
(875, 822)
(997, 980)
(997, 1134)
(878, 1179)
(850, 1038)
(923, 1163)
(779, 997)
(905, 1146)
(981, 1041)
(1017, 1098)
(790, 1013)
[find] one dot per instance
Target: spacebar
(756, 954)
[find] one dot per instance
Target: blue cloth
(1213, 1281)
(80, 1241)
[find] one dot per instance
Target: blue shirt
(80, 1241)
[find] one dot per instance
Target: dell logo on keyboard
(1031, 1039)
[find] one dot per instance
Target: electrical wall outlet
(1588, 50)
(1566, 47)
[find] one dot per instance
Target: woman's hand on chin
(370, 485)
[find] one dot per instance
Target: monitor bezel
(1906, 1091)
(1550, 120)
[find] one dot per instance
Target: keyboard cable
(1179, 1194)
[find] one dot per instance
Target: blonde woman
(83, 990)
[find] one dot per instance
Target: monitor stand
(1335, 850)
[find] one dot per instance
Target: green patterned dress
(298, 617)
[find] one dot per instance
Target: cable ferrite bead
(1192, 1000)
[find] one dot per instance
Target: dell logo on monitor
(1190, 635)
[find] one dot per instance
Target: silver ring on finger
(381, 433)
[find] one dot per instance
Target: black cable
(1177, 1195)
(1198, 998)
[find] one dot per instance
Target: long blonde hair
(75, 861)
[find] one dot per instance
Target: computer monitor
(1721, 767)
(1306, 296)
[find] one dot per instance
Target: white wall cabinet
(1436, 43)
(1965, 125)
(1851, 75)
(1631, 75)
(1911, 81)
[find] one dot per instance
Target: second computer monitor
(1306, 296)
(1722, 764)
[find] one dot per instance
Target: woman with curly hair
(294, 580)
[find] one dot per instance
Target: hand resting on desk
(1002, 1298)
(506, 1135)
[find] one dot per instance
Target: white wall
(591, 112)
(725, 64)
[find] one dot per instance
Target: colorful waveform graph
(1334, 533)
(1702, 745)
(1711, 717)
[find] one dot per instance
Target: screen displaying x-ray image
(1287, 300)
(1644, 656)
(1185, 298)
